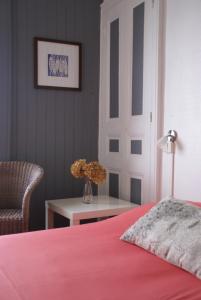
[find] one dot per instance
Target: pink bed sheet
(89, 262)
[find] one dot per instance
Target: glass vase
(87, 195)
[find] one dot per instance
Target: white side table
(75, 210)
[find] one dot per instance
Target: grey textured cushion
(172, 231)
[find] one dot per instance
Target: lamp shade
(167, 142)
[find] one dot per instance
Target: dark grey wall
(5, 78)
(49, 127)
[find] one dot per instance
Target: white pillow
(172, 231)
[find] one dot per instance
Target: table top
(101, 204)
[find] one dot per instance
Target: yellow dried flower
(95, 172)
(77, 168)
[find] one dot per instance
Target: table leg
(49, 218)
(74, 222)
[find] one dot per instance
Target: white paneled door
(128, 84)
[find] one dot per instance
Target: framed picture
(57, 64)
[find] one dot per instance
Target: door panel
(125, 100)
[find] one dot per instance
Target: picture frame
(57, 64)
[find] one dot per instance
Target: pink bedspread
(89, 262)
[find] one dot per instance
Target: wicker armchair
(17, 182)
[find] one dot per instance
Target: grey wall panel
(5, 78)
(138, 48)
(52, 127)
(114, 69)
(135, 190)
(136, 147)
(114, 145)
(114, 185)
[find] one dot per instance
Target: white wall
(182, 99)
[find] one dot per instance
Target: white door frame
(158, 99)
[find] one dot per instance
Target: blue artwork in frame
(57, 65)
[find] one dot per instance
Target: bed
(89, 262)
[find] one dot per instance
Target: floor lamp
(167, 144)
